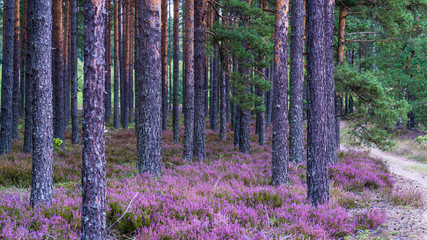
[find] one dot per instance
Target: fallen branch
(126, 211)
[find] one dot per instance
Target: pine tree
(296, 130)
(317, 118)
(29, 123)
(165, 108)
(107, 98)
(280, 155)
(41, 57)
(93, 164)
(149, 102)
(199, 150)
(57, 71)
(189, 81)
(175, 71)
(16, 64)
(116, 64)
(7, 78)
(73, 71)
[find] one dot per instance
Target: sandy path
(400, 166)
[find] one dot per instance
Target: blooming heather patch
(226, 197)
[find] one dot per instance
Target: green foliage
(421, 139)
(249, 41)
(376, 110)
(57, 143)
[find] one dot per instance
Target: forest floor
(402, 222)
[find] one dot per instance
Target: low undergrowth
(226, 197)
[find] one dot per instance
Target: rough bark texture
(330, 82)
(23, 56)
(107, 98)
(317, 136)
(149, 134)
(28, 132)
(261, 120)
(130, 69)
(280, 156)
(137, 66)
(199, 150)
(16, 64)
(93, 166)
(123, 65)
(116, 64)
(175, 71)
(189, 81)
(223, 103)
(67, 76)
(73, 69)
(296, 131)
(41, 39)
(245, 121)
(206, 86)
(214, 93)
(7, 78)
(57, 71)
(341, 32)
(164, 65)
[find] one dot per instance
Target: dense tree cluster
(223, 62)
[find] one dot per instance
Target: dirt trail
(401, 166)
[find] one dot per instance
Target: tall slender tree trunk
(214, 96)
(74, 86)
(7, 77)
(93, 165)
(341, 33)
(330, 81)
(123, 64)
(67, 80)
(28, 132)
(175, 71)
(41, 57)
(130, 69)
(206, 86)
(116, 64)
(57, 71)
(296, 130)
(199, 150)
(189, 81)
(164, 12)
(107, 98)
(261, 120)
(16, 64)
(280, 154)
(149, 134)
(317, 117)
(223, 103)
(23, 56)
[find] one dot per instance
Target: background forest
(209, 119)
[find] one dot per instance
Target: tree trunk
(330, 81)
(16, 63)
(107, 44)
(223, 103)
(116, 64)
(130, 68)
(149, 135)
(280, 152)
(164, 65)
(93, 165)
(214, 96)
(296, 128)
(175, 71)
(317, 118)
(236, 120)
(7, 78)
(57, 71)
(123, 65)
(199, 150)
(28, 134)
(67, 81)
(206, 70)
(23, 56)
(41, 40)
(74, 85)
(189, 83)
(341, 33)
